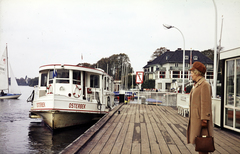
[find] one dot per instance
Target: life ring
(77, 89)
(50, 89)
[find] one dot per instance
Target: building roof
(177, 57)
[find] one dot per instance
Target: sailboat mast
(7, 67)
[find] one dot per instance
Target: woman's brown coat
(200, 109)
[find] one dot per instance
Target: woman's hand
(204, 123)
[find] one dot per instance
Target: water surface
(21, 134)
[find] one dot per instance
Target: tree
(149, 84)
(85, 65)
(158, 52)
(209, 53)
(33, 82)
(117, 65)
(130, 77)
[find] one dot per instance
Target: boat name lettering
(77, 106)
(41, 104)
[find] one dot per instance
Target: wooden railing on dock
(144, 129)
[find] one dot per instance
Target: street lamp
(169, 27)
(215, 71)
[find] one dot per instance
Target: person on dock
(200, 117)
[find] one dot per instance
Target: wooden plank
(124, 114)
(119, 116)
(88, 147)
(144, 139)
(84, 138)
(174, 149)
(111, 141)
(129, 113)
(141, 113)
(103, 139)
(174, 136)
(132, 114)
(137, 119)
(150, 129)
(126, 149)
(152, 139)
(183, 149)
(191, 148)
(136, 148)
(120, 140)
(160, 139)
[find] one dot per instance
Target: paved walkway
(146, 129)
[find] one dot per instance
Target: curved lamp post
(169, 27)
(215, 71)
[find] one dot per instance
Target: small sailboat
(9, 88)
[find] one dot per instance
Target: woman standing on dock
(200, 117)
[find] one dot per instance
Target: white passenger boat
(69, 95)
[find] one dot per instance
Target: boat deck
(145, 129)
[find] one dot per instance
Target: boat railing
(158, 98)
(93, 94)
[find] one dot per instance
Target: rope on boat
(31, 97)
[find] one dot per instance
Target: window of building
(176, 74)
(161, 74)
(209, 66)
(209, 75)
(195, 57)
(185, 74)
(176, 64)
(186, 57)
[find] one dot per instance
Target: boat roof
(72, 67)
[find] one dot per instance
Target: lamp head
(167, 26)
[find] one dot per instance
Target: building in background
(167, 69)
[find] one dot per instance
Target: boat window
(94, 81)
(62, 76)
(77, 77)
(44, 79)
(105, 83)
(50, 76)
(62, 73)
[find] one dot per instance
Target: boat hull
(59, 111)
(57, 119)
(10, 96)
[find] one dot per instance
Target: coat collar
(200, 81)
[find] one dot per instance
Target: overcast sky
(40, 32)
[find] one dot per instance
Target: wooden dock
(145, 129)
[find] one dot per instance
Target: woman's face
(194, 76)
